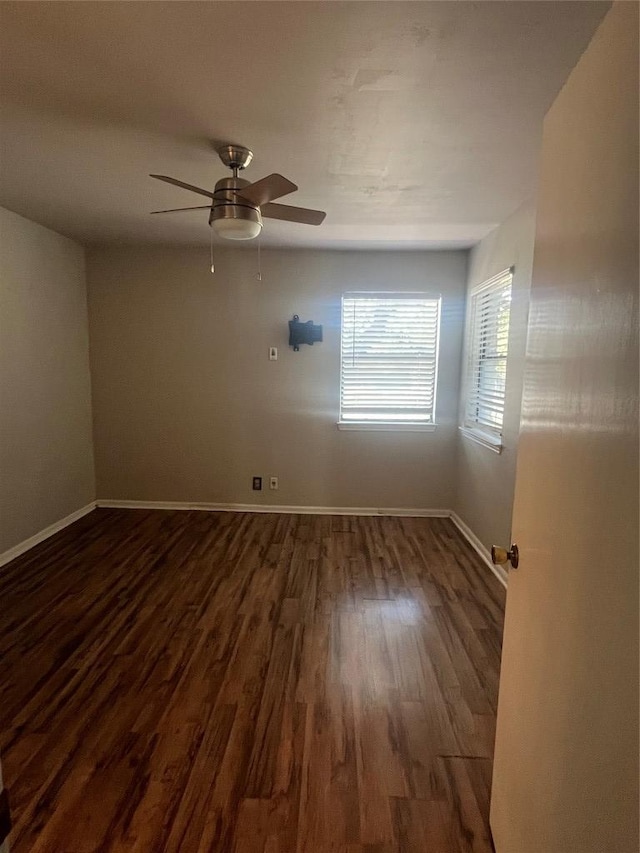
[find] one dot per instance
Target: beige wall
(485, 480)
(187, 406)
(46, 454)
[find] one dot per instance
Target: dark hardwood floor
(192, 681)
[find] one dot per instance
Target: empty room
(319, 427)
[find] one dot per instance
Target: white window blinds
(488, 345)
(389, 358)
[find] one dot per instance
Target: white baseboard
(477, 545)
(287, 510)
(21, 547)
(466, 531)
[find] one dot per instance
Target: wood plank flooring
(191, 681)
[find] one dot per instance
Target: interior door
(566, 758)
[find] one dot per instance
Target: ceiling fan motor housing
(229, 208)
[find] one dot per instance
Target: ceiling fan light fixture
(235, 222)
(237, 229)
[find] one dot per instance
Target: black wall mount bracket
(303, 333)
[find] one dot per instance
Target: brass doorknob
(499, 555)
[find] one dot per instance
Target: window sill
(491, 443)
(385, 427)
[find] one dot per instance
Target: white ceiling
(413, 124)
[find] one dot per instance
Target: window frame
(492, 438)
(382, 424)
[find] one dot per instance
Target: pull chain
(213, 266)
(259, 276)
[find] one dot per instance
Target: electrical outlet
(257, 484)
(273, 482)
(273, 353)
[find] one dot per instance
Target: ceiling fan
(237, 206)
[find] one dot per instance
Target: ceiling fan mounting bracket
(235, 156)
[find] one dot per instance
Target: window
(389, 360)
(486, 370)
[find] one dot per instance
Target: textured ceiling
(412, 124)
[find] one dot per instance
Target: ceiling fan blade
(293, 214)
(266, 189)
(183, 185)
(180, 209)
